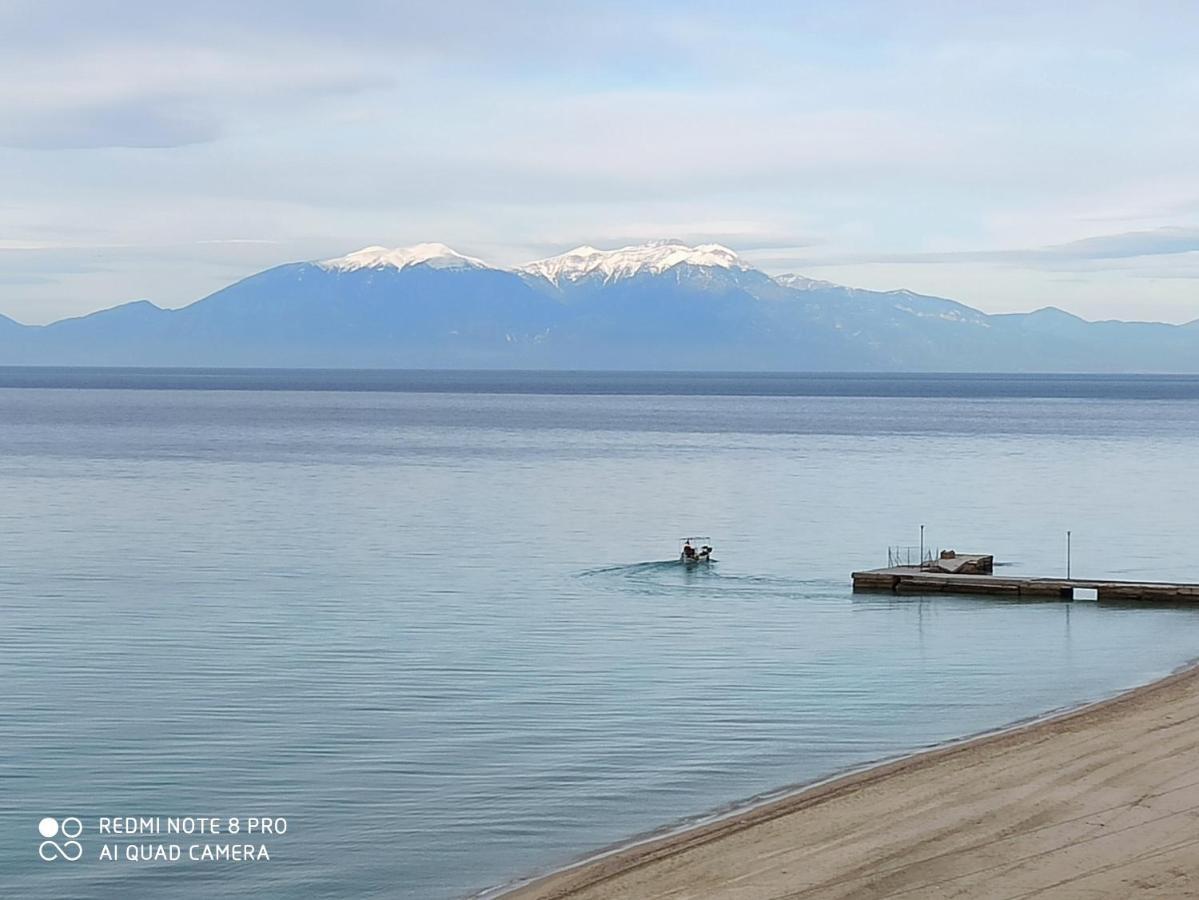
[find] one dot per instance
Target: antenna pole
(1067, 554)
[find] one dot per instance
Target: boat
(696, 551)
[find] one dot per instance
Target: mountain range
(662, 305)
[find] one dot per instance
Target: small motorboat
(696, 551)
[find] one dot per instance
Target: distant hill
(662, 305)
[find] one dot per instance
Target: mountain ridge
(661, 305)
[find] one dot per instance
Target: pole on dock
(1067, 554)
(921, 563)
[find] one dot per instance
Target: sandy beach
(1096, 803)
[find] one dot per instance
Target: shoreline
(605, 873)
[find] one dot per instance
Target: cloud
(133, 123)
(141, 73)
(165, 90)
(26, 280)
(1154, 242)
(1166, 241)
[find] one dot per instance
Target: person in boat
(688, 550)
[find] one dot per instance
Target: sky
(1009, 155)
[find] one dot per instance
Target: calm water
(426, 618)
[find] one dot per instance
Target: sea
(432, 626)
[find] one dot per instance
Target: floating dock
(926, 580)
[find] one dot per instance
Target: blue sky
(1008, 155)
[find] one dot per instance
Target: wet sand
(1101, 802)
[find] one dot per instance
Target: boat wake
(644, 568)
(670, 575)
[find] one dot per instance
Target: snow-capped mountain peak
(655, 258)
(436, 256)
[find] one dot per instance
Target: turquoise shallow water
(439, 631)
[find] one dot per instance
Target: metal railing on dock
(904, 555)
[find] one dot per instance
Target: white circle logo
(70, 849)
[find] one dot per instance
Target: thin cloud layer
(1126, 245)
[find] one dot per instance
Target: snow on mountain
(435, 256)
(803, 283)
(655, 257)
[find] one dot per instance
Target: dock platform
(918, 580)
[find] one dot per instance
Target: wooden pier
(922, 580)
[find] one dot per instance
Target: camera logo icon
(68, 848)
